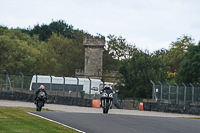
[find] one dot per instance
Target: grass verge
(190, 117)
(15, 119)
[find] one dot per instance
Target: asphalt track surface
(118, 123)
(92, 120)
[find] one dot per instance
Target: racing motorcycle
(40, 101)
(107, 99)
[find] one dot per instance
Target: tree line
(57, 49)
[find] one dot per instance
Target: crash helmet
(42, 87)
(107, 86)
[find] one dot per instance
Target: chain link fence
(23, 83)
(175, 94)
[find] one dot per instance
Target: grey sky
(149, 24)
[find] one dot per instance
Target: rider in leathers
(108, 90)
(40, 89)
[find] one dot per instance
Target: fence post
(7, 79)
(184, 93)
(176, 92)
(192, 94)
(153, 91)
(50, 83)
(160, 91)
(169, 93)
(70, 93)
(22, 81)
(77, 87)
(63, 85)
(36, 81)
(103, 82)
(6, 82)
(89, 88)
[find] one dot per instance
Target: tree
(175, 55)
(18, 51)
(45, 31)
(63, 52)
(61, 56)
(119, 48)
(159, 53)
(82, 93)
(137, 72)
(61, 28)
(108, 62)
(189, 67)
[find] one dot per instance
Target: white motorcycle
(106, 100)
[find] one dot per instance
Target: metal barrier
(175, 94)
(22, 83)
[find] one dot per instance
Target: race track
(117, 123)
(92, 120)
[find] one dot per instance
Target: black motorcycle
(40, 101)
(106, 100)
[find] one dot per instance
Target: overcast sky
(149, 24)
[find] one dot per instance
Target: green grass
(16, 120)
(190, 117)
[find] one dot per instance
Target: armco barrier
(172, 108)
(20, 96)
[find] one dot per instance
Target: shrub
(82, 93)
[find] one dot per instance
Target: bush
(160, 101)
(173, 101)
(82, 93)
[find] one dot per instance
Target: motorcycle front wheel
(40, 105)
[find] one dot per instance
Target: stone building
(93, 57)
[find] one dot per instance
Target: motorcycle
(40, 101)
(107, 99)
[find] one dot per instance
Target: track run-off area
(92, 120)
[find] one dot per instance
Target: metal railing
(175, 94)
(21, 83)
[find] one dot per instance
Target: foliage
(108, 62)
(119, 48)
(116, 49)
(18, 51)
(170, 75)
(45, 31)
(189, 68)
(82, 93)
(160, 101)
(61, 56)
(175, 55)
(137, 73)
(159, 53)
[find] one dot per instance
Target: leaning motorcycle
(40, 101)
(107, 99)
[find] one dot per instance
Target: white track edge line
(56, 122)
